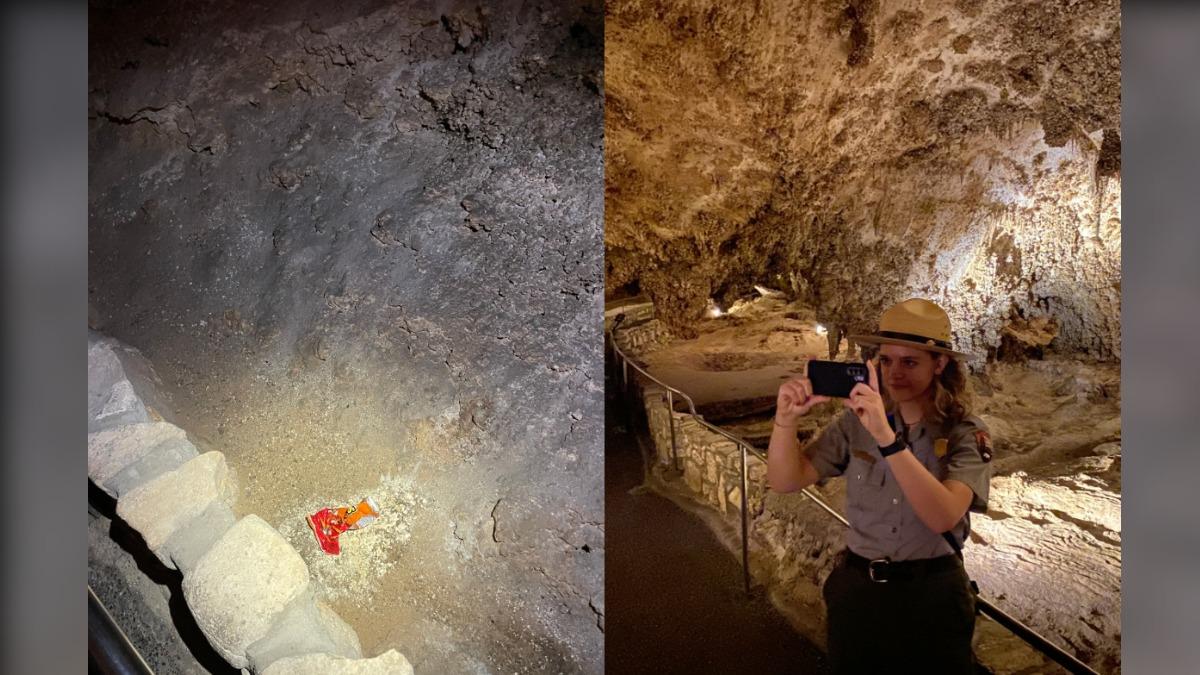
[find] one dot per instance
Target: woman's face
(908, 372)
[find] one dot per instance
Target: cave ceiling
(853, 154)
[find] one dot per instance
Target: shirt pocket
(864, 489)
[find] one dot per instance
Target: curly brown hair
(952, 395)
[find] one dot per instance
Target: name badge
(940, 446)
(869, 459)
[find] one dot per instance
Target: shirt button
(893, 530)
(859, 476)
(895, 501)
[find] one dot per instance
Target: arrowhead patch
(984, 441)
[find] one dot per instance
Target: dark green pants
(919, 624)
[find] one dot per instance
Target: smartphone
(834, 378)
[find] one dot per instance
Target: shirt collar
(916, 432)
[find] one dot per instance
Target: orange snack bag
(329, 524)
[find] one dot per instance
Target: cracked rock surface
(361, 246)
(856, 153)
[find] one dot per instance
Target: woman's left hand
(867, 404)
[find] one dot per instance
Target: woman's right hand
(795, 400)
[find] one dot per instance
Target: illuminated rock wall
(858, 153)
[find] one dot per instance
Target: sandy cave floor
(1049, 549)
(295, 444)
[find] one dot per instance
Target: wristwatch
(893, 447)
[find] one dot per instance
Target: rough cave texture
(361, 244)
(856, 153)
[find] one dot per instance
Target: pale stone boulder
(112, 450)
(189, 543)
(113, 405)
(241, 586)
(306, 626)
(122, 386)
(390, 662)
(168, 503)
(166, 456)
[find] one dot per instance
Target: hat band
(911, 337)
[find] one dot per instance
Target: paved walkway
(673, 594)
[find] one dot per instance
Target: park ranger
(916, 463)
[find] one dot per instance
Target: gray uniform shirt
(882, 522)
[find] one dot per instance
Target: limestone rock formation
(856, 153)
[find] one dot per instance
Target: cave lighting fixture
(821, 330)
(714, 310)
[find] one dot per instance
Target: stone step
(306, 626)
(189, 543)
(112, 450)
(167, 504)
(166, 456)
(242, 585)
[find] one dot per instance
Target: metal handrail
(108, 644)
(1036, 640)
(743, 446)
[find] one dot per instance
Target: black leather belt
(883, 570)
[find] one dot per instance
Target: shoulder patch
(984, 441)
(940, 445)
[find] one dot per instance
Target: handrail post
(671, 424)
(745, 522)
(626, 396)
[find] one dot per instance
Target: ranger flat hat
(913, 323)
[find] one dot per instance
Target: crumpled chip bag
(329, 523)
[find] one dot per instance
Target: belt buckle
(882, 566)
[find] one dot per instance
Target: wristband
(784, 426)
(895, 446)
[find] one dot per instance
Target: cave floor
(419, 578)
(744, 354)
(403, 582)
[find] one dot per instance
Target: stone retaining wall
(636, 311)
(642, 336)
(247, 588)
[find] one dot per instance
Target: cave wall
(859, 153)
(373, 230)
